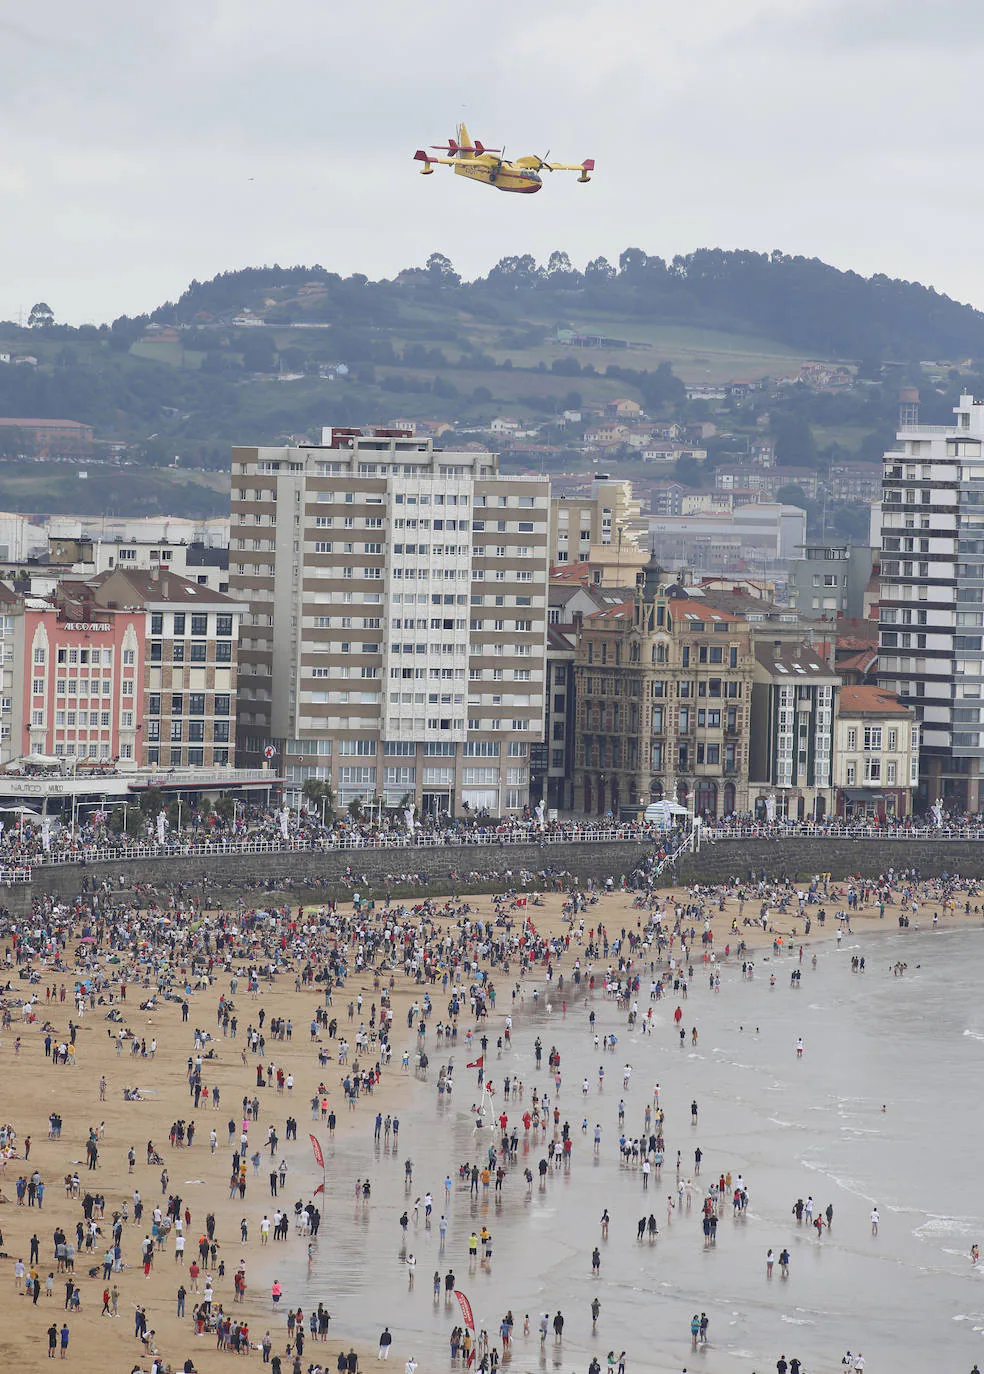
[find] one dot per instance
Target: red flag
(466, 1310)
(320, 1189)
(319, 1158)
(520, 901)
(478, 1063)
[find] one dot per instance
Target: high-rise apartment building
(931, 629)
(396, 638)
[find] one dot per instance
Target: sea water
(908, 1298)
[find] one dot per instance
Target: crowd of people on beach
(475, 975)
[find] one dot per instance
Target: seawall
(308, 877)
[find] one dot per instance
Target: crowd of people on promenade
(30, 841)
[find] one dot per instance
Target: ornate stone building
(664, 702)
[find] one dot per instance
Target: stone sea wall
(308, 877)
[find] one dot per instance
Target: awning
(862, 794)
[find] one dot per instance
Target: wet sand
(356, 1270)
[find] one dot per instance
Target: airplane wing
(421, 156)
(584, 167)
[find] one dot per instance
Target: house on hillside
(608, 432)
(625, 409)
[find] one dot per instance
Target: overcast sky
(145, 145)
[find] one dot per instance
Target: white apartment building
(931, 630)
(396, 640)
(876, 754)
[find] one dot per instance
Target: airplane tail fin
(464, 139)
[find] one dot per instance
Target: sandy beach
(36, 1087)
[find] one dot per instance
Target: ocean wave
(947, 1226)
(974, 1035)
(847, 1185)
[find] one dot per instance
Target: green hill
(268, 352)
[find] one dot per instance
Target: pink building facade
(83, 682)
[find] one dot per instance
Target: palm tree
(319, 794)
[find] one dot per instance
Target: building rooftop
(148, 586)
(560, 640)
(621, 610)
(16, 421)
(685, 608)
(871, 701)
(791, 660)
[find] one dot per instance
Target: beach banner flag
(319, 1158)
(478, 1063)
(320, 1189)
(466, 1310)
(520, 901)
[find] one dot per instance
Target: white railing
(437, 840)
(451, 840)
(20, 873)
(689, 842)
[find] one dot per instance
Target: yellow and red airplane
(490, 168)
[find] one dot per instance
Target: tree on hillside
(259, 352)
(792, 494)
(688, 471)
(599, 269)
(559, 265)
(441, 271)
(795, 444)
(41, 317)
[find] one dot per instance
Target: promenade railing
(451, 840)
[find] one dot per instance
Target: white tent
(663, 812)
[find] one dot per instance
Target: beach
(786, 1124)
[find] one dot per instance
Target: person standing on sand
(874, 1221)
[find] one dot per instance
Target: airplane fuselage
(489, 170)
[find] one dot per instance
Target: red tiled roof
(874, 701)
(683, 608)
